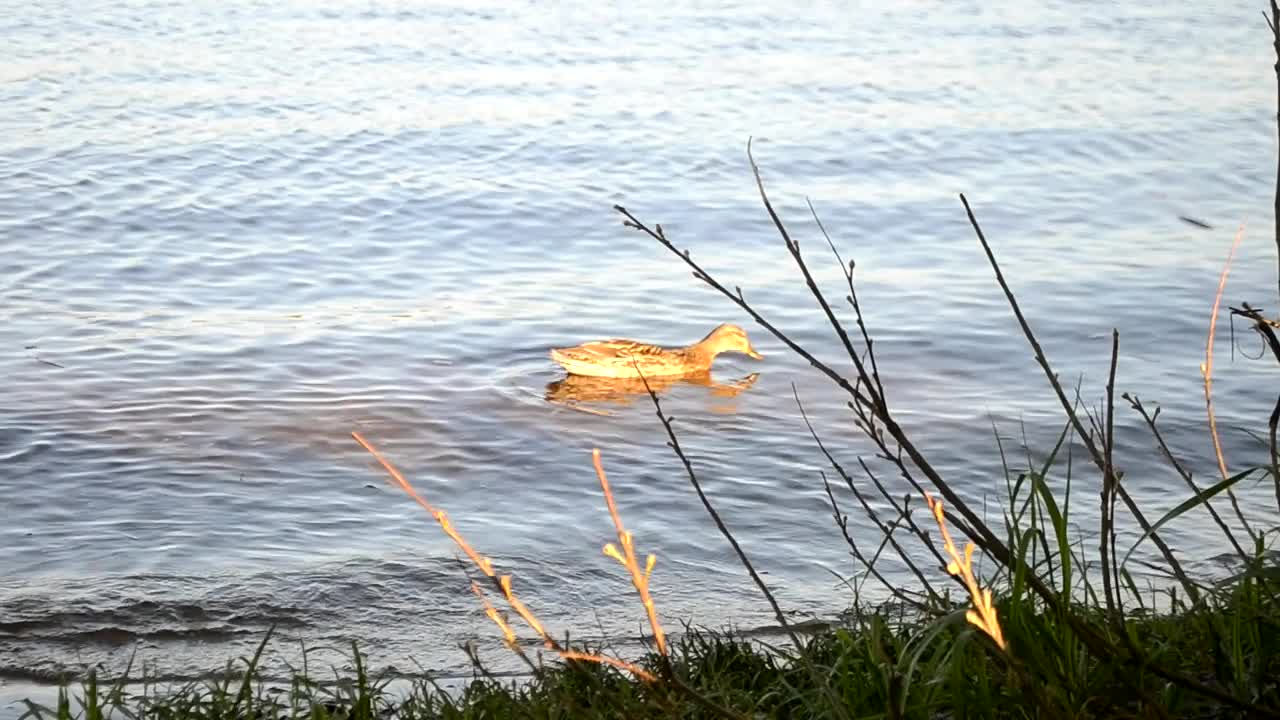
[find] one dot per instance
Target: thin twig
(794, 248)
(877, 402)
(1206, 371)
(627, 557)
(1274, 24)
(1262, 325)
(903, 509)
(1081, 432)
(508, 635)
(1207, 365)
(674, 443)
(485, 565)
(1275, 456)
(842, 522)
(615, 662)
(853, 302)
(1150, 420)
(1109, 483)
(866, 507)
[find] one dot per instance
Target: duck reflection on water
(575, 389)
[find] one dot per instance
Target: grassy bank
(881, 665)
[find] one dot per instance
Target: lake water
(234, 232)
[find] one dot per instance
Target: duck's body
(622, 358)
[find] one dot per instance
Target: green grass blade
(1199, 498)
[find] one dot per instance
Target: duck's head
(730, 338)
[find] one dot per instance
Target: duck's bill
(754, 355)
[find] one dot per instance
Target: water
(235, 232)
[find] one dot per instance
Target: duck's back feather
(619, 357)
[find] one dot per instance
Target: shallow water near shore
(235, 232)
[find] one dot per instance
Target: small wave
(59, 674)
(142, 620)
(112, 635)
(44, 675)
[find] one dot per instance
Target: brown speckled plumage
(622, 358)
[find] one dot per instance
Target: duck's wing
(630, 348)
(615, 349)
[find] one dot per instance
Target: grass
(1062, 625)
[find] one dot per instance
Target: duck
(622, 358)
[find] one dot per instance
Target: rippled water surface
(234, 232)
